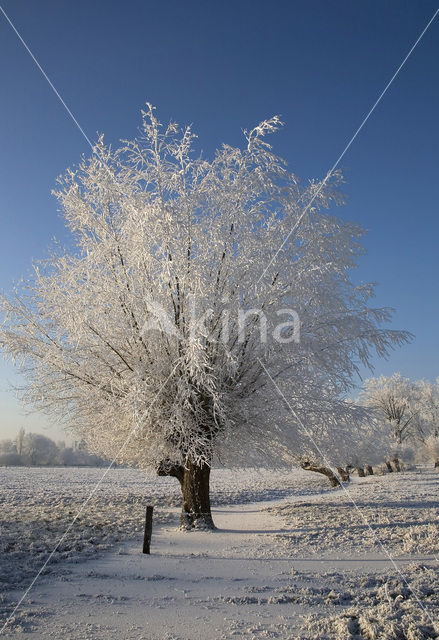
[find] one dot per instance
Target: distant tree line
(36, 450)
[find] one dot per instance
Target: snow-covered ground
(291, 559)
(37, 505)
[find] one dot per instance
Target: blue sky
(224, 66)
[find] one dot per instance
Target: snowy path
(266, 567)
(235, 582)
(193, 585)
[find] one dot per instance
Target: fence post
(148, 529)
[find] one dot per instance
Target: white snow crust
(291, 558)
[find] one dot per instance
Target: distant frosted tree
(432, 449)
(393, 398)
(39, 450)
(148, 339)
(338, 447)
(411, 407)
(426, 399)
(8, 453)
(8, 446)
(66, 457)
(20, 439)
(10, 460)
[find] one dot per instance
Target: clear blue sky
(224, 66)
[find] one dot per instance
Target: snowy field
(291, 559)
(37, 505)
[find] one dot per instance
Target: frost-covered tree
(339, 447)
(8, 446)
(20, 439)
(393, 398)
(426, 401)
(411, 407)
(39, 450)
(432, 449)
(427, 404)
(149, 338)
(10, 459)
(373, 446)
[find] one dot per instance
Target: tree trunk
(368, 470)
(344, 475)
(389, 467)
(397, 464)
(194, 483)
(196, 512)
(335, 482)
(360, 471)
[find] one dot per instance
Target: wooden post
(148, 530)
